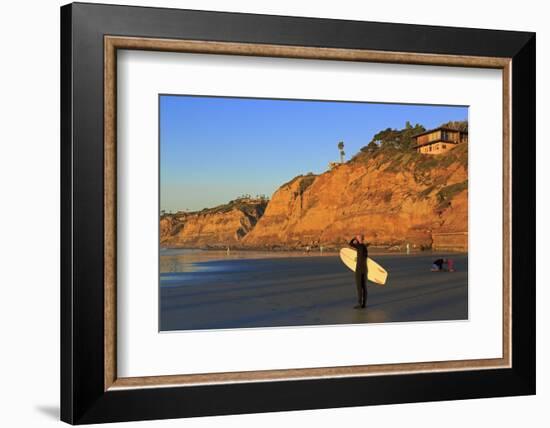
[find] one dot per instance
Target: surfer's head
(360, 237)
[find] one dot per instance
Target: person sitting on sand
(437, 265)
(361, 271)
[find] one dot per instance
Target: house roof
(441, 128)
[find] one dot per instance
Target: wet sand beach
(216, 290)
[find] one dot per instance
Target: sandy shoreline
(304, 290)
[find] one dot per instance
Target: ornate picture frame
(91, 389)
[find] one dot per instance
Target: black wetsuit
(439, 263)
(361, 271)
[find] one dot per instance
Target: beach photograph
(285, 213)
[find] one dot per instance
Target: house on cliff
(439, 140)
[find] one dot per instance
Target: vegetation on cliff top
(305, 182)
(402, 139)
(395, 160)
(391, 149)
(245, 204)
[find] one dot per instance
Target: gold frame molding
(113, 43)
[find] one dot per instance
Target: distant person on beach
(361, 271)
(450, 265)
(437, 265)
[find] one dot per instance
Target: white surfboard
(377, 273)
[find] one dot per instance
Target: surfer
(360, 270)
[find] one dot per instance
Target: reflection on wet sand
(190, 260)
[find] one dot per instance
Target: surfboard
(377, 273)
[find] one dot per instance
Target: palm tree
(342, 153)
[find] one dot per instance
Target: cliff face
(221, 226)
(391, 198)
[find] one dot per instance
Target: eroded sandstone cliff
(221, 226)
(392, 197)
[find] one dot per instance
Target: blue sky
(213, 149)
